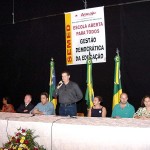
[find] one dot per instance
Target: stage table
(80, 133)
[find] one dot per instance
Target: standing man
(123, 109)
(69, 93)
(27, 106)
(44, 107)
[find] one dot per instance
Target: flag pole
(117, 51)
(50, 81)
(85, 4)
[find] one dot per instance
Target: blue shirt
(126, 112)
(47, 109)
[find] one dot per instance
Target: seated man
(123, 109)
(27, 106)
(44, 107)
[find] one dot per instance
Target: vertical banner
(85, 36)
(69, 58)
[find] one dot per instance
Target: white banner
(85, 36)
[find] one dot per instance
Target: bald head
(123, 98)
(27, 98)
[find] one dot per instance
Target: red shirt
(8, 108)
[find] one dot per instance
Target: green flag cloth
(117, 82)
(89, 96)
(52, 83)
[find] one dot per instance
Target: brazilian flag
(52, 83)
(89, 96)
(117, 81)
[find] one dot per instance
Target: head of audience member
(65, 76)
(123, 98)
(44, 98)
(146, 101)
(6, 100)
(27, 99)
(97, 100)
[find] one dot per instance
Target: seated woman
(7, 107)
(144, 111)
(97, 110)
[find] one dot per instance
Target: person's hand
(59, 84)
(143, 117)
(137, 117)
(117, 117)
(36, 111)
(25, 110)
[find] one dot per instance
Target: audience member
(27, 106)
(97, 110)
(7, 106)
(44, 107)
(69, 93)
(123, 109)
(144, 111)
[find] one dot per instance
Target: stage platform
(80, 133)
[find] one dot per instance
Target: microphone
(59, 84)
(73, 117)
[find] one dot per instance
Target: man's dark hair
(45, 93)
(66, 72)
